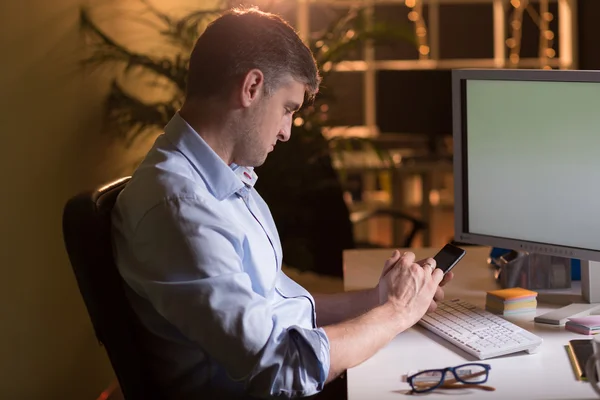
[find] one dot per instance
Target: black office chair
(86, 230)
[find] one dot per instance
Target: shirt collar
(222, 180)
(246, 174)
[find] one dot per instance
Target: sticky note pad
(590, 321)
(515, 293)
(511, 301)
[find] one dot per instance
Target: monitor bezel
(461, 233)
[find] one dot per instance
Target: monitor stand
(582, 299)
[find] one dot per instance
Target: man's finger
(432, 307)
(437, 275)
(428, 268)
(439, 294)
(447, 278)
(394, 258)
(390, 262)
(430, 261)
(408, 258)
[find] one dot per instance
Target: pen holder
(534, 271)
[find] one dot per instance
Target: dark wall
(589, 34)
(416, 101)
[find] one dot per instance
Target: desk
(546, 374)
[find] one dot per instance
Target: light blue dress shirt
(199, 250)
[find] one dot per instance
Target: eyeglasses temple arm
(462, 386)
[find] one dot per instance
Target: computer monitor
(527, 167)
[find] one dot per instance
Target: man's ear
(252, 87)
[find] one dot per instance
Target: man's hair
(244, 39)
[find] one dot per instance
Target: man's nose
(285, 133)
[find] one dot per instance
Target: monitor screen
(529, 160)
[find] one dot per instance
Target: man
(199, 250)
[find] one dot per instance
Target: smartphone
(448, 257)
(581, 350)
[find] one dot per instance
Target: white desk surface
(546, 374)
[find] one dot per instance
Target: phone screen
(448, 257)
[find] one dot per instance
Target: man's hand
(439, 293)
(408, 286)
(405, 292)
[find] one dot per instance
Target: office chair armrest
(363, 215)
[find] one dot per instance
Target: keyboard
(477, 331)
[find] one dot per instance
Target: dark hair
(244, 39)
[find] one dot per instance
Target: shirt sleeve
(188, 264)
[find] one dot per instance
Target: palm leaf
(105, 50)
(128, 117)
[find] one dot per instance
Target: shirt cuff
(324, 356)
(319, 342)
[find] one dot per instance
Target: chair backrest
(86, 230)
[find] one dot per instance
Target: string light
(546, 52)
(516, 23)
(415, 15)
(542, 20)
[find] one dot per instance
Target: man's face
(270, 121)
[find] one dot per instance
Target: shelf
(428, 21)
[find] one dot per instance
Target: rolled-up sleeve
(187, 261)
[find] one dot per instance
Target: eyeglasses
(465, 375)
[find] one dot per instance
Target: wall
(588, 15)
(49, 123)
(52, 147)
